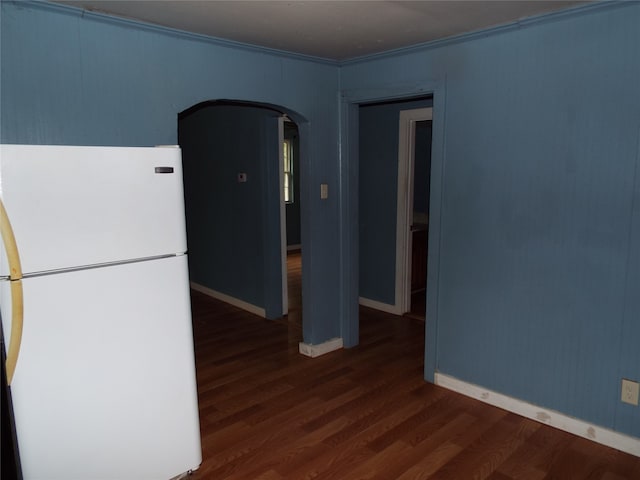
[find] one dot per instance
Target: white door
(406, 164)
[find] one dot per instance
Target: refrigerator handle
(15, 280)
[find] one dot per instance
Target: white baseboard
(384, 307)
(311, 350)
(555, 419)
(229, 299)
(293, 247)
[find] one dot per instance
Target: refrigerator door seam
(98, 265)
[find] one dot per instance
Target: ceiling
(335, 30)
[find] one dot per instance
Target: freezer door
(104, 386)
(76, 206)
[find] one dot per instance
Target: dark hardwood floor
(267, 412)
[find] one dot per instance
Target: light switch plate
(324, 191)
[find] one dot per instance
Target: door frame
(283, 220)
(406, 169)
(349, 193)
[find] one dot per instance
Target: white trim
(311, 350)
(584, 429)
(294, 247)
(384, 307)
(228, 299)
(404, 216)
(283, 220)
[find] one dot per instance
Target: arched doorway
(235, 203)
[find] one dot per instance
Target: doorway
(233, 176)
(387, 150)
(291, 236)
(355, 164)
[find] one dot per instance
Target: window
(287, 155)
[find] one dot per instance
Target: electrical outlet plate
(630, 391)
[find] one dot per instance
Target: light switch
(324, 191)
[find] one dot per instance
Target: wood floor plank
(295, 453)
(432, 462)
(535, 457)
(482, 457)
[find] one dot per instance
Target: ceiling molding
(497, 30)
(582, 8)
(334, 31)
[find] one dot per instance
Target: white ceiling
(336, 30)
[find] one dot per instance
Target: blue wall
(378, 197)
(422, 167)
(70, 77)
(538, 278)
(225, 217)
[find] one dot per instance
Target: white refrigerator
(95, 304)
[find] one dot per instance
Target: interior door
(410, 221)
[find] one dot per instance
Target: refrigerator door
(78, 206)
(104, 386)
